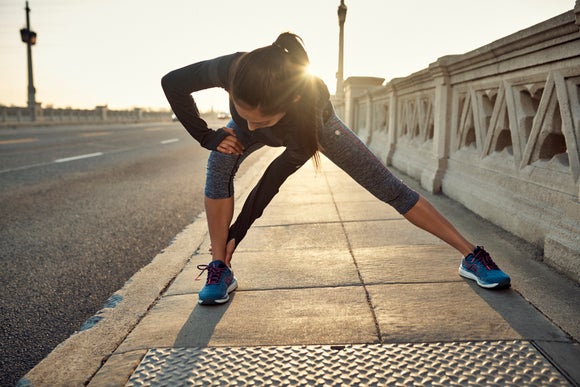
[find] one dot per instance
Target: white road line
(23, 167)
(170, 141)
(73, 158)
(89, 155)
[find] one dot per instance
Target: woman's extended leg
(348, 152)
(425, 216)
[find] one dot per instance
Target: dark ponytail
(275, 79)
(271, 77)
(293, 45)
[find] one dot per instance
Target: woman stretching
(274, 101)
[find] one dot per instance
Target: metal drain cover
(499, 363)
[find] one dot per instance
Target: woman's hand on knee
(231, 145)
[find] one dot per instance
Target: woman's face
(255, 118)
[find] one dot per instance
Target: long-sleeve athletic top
(178, 86)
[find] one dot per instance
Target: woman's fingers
(231, 144)
(230, 248)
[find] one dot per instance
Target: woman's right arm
(178, 86)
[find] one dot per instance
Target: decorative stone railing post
(435, 169)
(102, 112)
(354, 87)
(38, 113)
(390, 108)
(138, 114)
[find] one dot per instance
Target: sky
(114, 52)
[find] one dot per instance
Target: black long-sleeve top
(178, 86)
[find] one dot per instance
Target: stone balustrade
(497, 129)
(14, 116)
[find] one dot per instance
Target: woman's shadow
(201, 324)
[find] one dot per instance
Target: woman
(274, 101)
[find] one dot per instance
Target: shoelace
(213, 273)
(485, 259)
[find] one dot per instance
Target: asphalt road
(81, 210)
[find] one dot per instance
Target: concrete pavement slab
(263, 270)
(309, 268)
(432, 312)
(407, 264)
(365, 211)
(456, 311)
(275, 317)
(185, 282)
(345, 189)
(342, 186)
(297, 212)
(294, 237)
(118, 369)
(387, 232)
(313, 195)
(341, 193)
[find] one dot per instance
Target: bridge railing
(497, 129)
(21, 115)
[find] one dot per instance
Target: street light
(29, 37)
(340, 73)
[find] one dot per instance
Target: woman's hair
(275, 79)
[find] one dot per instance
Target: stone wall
(497, 129)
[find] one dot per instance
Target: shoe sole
(469, 275)
(233, 286)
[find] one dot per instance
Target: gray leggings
(341, 146)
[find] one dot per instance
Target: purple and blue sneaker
(479, 267)
(220, 283)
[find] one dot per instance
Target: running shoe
(220, 283)
(479, 267)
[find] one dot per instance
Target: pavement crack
(359, 274)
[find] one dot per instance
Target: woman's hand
(230, 248)
(231, 145)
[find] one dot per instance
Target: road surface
(82, 208)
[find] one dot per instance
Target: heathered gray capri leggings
(341, 146)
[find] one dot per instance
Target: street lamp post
(340, 73)
(29, 37)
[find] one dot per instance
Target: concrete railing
(22, 115)
(497, 129)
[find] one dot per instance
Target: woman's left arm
(268, 186)
(178, 86)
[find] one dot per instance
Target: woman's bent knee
(221, 170)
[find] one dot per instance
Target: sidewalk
(335, 288)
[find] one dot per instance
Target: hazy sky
(114, 52)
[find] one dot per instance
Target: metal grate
(498, 363)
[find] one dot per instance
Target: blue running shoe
(479, 267)
(220, 283)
